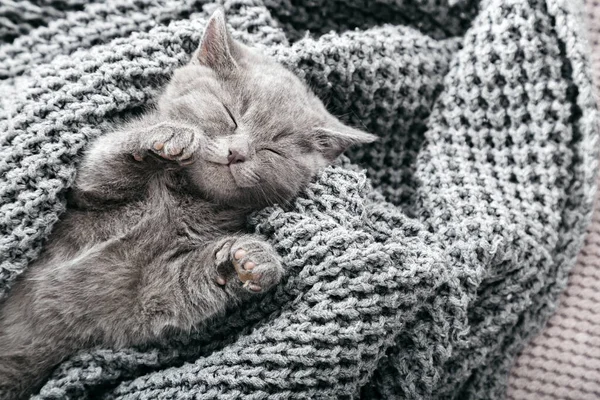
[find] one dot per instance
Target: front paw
(170, 142)
(256, 264)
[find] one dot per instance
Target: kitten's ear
(217, 48)
(333, 140)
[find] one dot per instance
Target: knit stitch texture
(563, 361)
(420, 276)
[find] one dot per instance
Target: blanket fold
(416, 268)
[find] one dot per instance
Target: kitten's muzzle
(242, 172)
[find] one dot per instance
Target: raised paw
(170, 142)
(256, 264)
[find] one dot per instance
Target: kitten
(152, 238)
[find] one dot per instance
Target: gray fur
(157, 212)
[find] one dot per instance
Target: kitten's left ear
(218, 50)
(333, 140)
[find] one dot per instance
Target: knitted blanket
(563, 360)
(416, 268)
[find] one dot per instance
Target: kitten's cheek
(210, 176)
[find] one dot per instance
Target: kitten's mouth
(243, 175)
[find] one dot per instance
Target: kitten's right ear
(337, 137)
(217, 48)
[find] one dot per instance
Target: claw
(186, 161)
(252, 286)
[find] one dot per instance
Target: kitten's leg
(119, 165)
(183, 287)
(235, 267)
(210, 283)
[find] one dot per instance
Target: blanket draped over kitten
(153, 237)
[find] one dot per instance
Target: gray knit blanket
(415, 268)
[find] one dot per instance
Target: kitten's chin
(234, 187)
(245, 185)
(253, 198)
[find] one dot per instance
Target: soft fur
(156, 215)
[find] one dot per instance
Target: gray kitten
(152, 238)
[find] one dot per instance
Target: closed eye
(270, 150)
(281, 135)
(231, 116)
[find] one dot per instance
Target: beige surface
(563, 362)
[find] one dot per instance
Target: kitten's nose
(235, 157)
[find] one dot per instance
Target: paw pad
(244, 271)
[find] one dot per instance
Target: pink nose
(235, 157)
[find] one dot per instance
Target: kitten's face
(264, 133)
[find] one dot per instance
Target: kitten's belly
(143, 225)
(79, 230)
